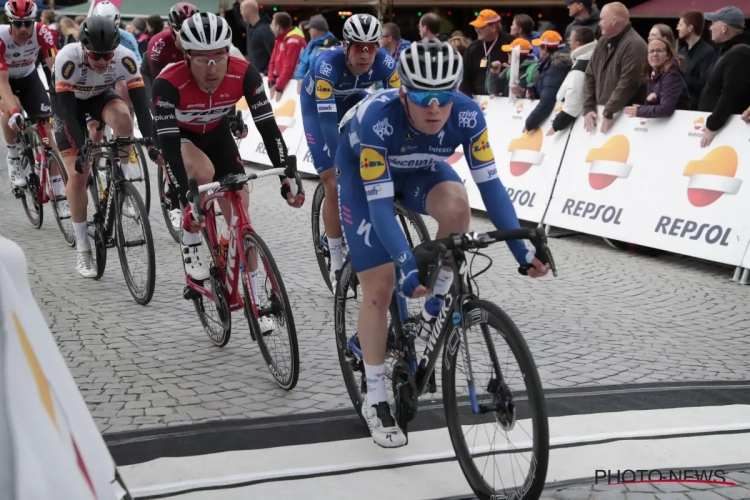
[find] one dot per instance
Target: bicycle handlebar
(118, 142)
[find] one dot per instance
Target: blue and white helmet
(108, 10)
(430, 65)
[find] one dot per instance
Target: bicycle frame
(42, 196)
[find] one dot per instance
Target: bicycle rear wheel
(501, 405)
(138, 175)
(131, 209)
(95, 227)
(166, 203)
(321, 251)
(279, 348)
(30, 200)
(55, 166)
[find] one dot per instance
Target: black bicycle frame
(112, 190)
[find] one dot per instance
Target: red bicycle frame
(43, 196)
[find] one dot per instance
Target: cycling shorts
(220, 147)
(411, 188)
(33, 96)
(321, 157)
(86, 109)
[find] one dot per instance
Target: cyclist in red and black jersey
(191, 102)
(164, 47)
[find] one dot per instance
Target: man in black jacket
(483, 52)
(584, 13)
(698, 54)
(727, 91)
(260, 38)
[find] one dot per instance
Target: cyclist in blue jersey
(396, 143)
(337, 81)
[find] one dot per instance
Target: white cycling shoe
(383, 427)
(193, 265)
(175, 217)
(15, 173)
(266, 325)
(63, 210)
(84, 265)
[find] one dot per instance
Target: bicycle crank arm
(135, 243)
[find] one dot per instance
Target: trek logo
(681, 228)
(587, 210)
(231, 259)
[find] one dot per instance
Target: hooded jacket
(671, 92)
(570, 92)
(312, 49)
(591, 22)
(285, 57)
(552, 72)
(727, 90)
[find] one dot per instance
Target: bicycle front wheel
(138, 175)
(56, 167)
(135, 244)
(166, 203)
(321, 250)
(483, 400)
(279, 345)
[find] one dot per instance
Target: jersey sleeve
(127, 69)
(323, 74)
(388, 70)
(166, 100)
(47, 45)
(154, 55)
(3, 62)
(127, 40)
(481, 160)
(262, 113)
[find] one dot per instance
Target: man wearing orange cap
(552, 71)
(499, 82)
(483, 52)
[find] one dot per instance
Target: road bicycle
(411, 374)
(169, 202)
(137, 166)
(411, 222)
(113, 201)
(223, 292)
(44, 163)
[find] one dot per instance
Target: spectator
(155, 25)
(499, 83)
(482, 52)
(458, 33)
(582, 43)
(320, 38)
(727, 90)
(130, 29)
(290, 41)
(459, 44)
(79, 19)
(48, 19)
(260, 37)
(662, 31)
(613, 77)
(523, 27)
(667, 89)
(698, 54)
(68, 32)
(429, 26)
(584, 13)
(141, 34)
(392, 41)
(552, 70)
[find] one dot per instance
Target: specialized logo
(609, 162)
(713, 176)
(526, 152)
(481, 149)
(68, 69)
(371, 164)
(323, 89)
(284, 115)
(394, 81)
(130, 65)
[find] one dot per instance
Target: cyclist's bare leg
(116, 114)
(75, 190)
(372, 323)
(331, 217)
(122, 90)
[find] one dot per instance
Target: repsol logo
(641, 129)
(308, 156)
(261, 148)
(587, 210)
(519, 196)
(681, 228)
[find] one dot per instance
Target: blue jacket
(552, 72)
(402, 44)
(534, 36)
(308, 55)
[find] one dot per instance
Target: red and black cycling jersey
(162, 51)
(180, 105)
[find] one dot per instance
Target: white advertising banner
(650, 183)
(56, 449)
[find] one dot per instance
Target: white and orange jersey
(19, 60)
(72, 74)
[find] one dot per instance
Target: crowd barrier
(646, 182)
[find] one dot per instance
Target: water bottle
(103, 183)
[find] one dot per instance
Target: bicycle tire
(142, 162)
(32, 190)
(321, 254)
(95, 229)
(161, 179)
(287, 383)
(496, 317)
(53, 157)
(405, 216)
(220, 298)
(145, 296)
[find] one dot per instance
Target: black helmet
(179, 12)
(99, 34)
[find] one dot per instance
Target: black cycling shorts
(92, 108)
(220, 147)
(33, 96)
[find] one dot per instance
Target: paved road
(611, 317)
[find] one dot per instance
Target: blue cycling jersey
(378, 141)
(127, 40)
(330, 90)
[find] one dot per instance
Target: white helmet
(108, 10)
(430, 65)
(205, 31)
(362, 28)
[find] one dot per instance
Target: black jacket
(476, 79)
(260, 40)
(591, 22)
(552, 72)
(727, 91)
(698, 62)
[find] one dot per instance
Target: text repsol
(587, 210)
(521, 197)
(681, 228)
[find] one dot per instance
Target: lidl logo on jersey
(481, 149)
(394, 81)
(371, 164)
(323, 89)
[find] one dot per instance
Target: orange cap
(524, 44)
(548, 39)
(487, 16)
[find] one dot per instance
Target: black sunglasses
(24, 24)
